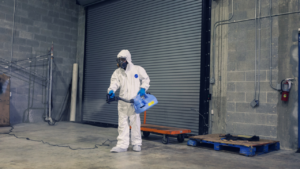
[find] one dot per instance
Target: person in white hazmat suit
(132, 80)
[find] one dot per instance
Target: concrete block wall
(235, 55)
(241, 118)
(38, 23)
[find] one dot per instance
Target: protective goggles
(121, 60)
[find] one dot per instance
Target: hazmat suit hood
(125, 54)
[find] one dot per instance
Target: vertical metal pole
(50, 86)
(29, 93)
(255, 49)
(12, 38)
(259, 50)
(298, 91)
(47, 89)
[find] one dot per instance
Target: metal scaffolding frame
(43, 78)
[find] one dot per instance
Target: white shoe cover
(117, 150)
(137, 148)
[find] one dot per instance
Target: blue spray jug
(142, 104)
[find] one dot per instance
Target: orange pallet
(166, 131)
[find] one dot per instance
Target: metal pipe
(47, 88)
(214, 36)
(50, 90)
(255, 48)
(19, 68)
(44, 90)
(270, 58)
(35, 57)
(244, 20)
(29, 92)
(229, 17)
(259, 49)
(12, 37)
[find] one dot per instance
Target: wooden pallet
(248, 148)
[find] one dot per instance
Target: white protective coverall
(129, 81)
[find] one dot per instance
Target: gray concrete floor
(25, 154)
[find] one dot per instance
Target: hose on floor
(55, 145)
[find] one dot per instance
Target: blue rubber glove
(111, 94)
(142, 92)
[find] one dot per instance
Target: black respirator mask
(122, 63)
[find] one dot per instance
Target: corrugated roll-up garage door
(164, 37)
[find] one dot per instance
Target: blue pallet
(247, 151)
